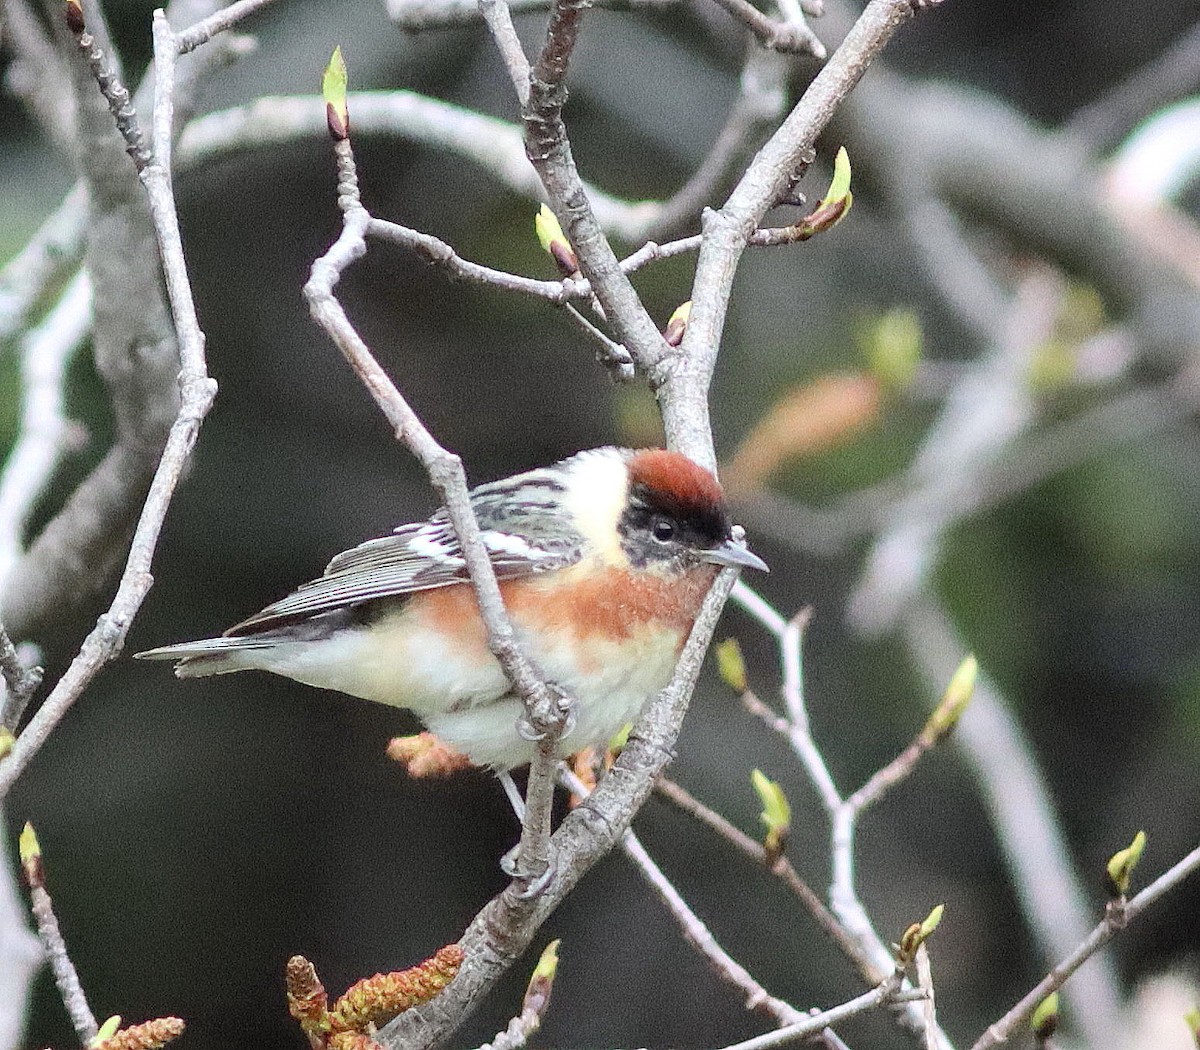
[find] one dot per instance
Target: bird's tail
(211, 655)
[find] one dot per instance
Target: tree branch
(196, 393)
(506, 926)
(1104, 932)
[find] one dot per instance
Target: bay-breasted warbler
(603, 560)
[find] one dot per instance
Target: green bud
(333, 91)
(776, 814)
(1044, 1021)
(1122, 863)
(107, 1030)
(731, 665)
(953, 703)
(895, 347)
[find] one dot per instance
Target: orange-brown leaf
(806, 420)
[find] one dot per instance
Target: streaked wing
(416, 557)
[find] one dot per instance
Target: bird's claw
(526, 730)
(508, 863)
(536, 723)
(534, 885)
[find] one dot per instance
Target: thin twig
(546, 709)
(65, 975)
(525, 1025)
(438, 253)
(417, 15)
(499, 22)
(693, 927)
(853, 922)
(204, 30)
(789, 38)
(197, 391)
(890, 991)
(1027, 828)
(1104, 932)
(781, 868)
(700, 937)
(884, 779)
(697, 933)
(929, 1006)
(610, 353)
(506, 925)
(21, 954)
(106, 72)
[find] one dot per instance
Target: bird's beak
(730, 553)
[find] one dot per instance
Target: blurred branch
(993, 167)
(495, 145)
(1171, 76)
(760, 102)
(1103, 933)
(52, 252)
(137, 356)
(42, 437)
(37, 74)
(987, 409)
(985, 413)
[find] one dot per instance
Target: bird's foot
(554, 714)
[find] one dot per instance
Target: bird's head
(654, 510)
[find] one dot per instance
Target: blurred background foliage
(197, 834)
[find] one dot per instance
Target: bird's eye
(662, 530)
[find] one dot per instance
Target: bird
(603, 560)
